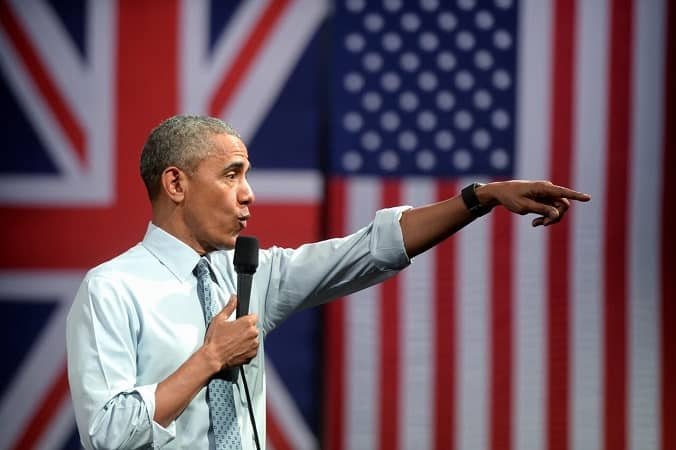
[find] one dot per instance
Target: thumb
(230, 306)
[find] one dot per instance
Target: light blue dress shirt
(137, 318)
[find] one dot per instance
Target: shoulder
(115, 279)
(267, 259)
(123, 265)
(224, 258)
(108, 291)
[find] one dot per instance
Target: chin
(230, 243)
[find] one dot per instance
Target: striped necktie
(219, 393)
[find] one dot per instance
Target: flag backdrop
(503, 337)
(508, 337)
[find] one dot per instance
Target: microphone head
(246, 254)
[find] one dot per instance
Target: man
(143, 347)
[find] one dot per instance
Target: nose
(246, 195)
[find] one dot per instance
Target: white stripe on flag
(645, 219)
(417, 339)
(532, 142)
(588, 174)
(194, 72)
(362, 332)
(298, 186)
(473, 310)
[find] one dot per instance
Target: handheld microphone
(246, 263)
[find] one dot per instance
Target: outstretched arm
(426, 226)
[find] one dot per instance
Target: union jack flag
(82, 85)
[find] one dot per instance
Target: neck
(170, 219)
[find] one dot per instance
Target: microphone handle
(243, 293)
(243, 297)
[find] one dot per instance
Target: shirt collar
(174, 254)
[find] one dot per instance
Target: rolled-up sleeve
(315, 273)
(110, 409)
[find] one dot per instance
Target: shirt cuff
(387, 243)
(161, 435)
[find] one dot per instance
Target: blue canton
(424, 88)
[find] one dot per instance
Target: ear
(174, 182)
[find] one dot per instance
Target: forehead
(228, 146)
(223, 151)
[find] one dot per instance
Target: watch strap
(472, 202)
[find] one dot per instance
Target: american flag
(508, 337)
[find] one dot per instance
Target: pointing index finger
(564, 192)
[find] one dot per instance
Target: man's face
(217, 196)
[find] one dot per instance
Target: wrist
(473, 202)
(485, 193)
(209, 360)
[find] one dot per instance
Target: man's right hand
(231, 343)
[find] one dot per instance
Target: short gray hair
(181, 141)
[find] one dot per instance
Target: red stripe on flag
(616, 233)
(275, 434)
(445, 335)
(501, 330)
(246, 56)
(148, 37)
(389, 342)
(335, 369)
(49, 406)
(558, 237)
(40, 76)
(265, 223)
(668, 235)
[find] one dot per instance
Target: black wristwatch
(472, 201)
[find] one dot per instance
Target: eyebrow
(237, 165)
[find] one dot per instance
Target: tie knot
(201, 270)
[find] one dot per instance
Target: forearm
(176, 391)
(426, 226)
